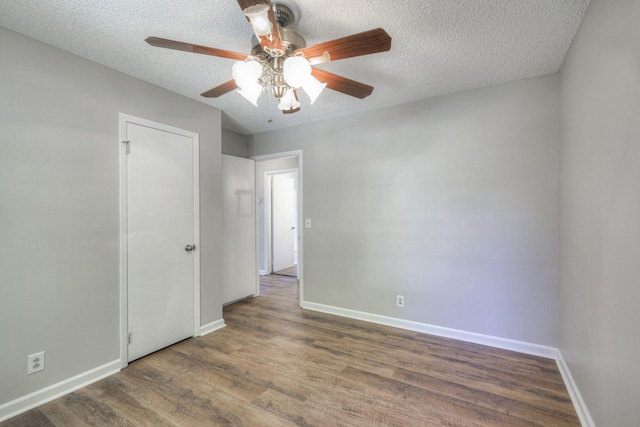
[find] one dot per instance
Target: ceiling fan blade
(188, 47)
(248, 3)
(342, 84)
(220, 90)
(372, 41)
(272, 42)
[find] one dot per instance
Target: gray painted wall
(600, 107)
(235, 144)
(451, 202)
(59, 217)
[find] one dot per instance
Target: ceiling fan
(280, 61)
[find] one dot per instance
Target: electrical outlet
(307, 223)
(399, 301)
(35, 363)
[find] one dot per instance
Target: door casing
(124, 119)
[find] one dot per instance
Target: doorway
(159, 238)
(266, 166)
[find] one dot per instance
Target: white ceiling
(439, 46)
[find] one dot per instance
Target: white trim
(196, 230)
(124, 227)
(256, 225)
(574, 393)
(54, 391)
(300, 268)
(212, 327)
(124, 119)
(266, 206)
(272, 156)
(492, 341)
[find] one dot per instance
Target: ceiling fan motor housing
(287, 13)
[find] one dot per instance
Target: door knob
(190, 248)
(293, 228)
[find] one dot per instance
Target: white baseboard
(211, 327)
(47, 394)
(574, 393)
(504, 343)
(263, 272)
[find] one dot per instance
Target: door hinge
(129, 338)
(126, 143)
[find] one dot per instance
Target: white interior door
(283, 221)
(160, 222)
(240, 274)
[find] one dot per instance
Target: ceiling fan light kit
(280, 62)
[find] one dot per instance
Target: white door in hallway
(161, 238)
(283, 221)
(240, 272)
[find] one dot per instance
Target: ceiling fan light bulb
(296, 71)
(313, 87)
(258, 15)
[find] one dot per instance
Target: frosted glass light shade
(297, 73)
(296, 69)
(288, 101)
(313, 87)
(251, 93)
(246, 75)
(246, 72)
(258, 15)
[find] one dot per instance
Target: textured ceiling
(439, 46)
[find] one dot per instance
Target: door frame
(268, 220)
(299, 219)
(124, 119)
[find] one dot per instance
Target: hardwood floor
(291, 271)
(276, 365)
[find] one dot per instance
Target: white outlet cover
(35, 363)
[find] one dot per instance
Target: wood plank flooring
(291, 271)
(277, 365)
